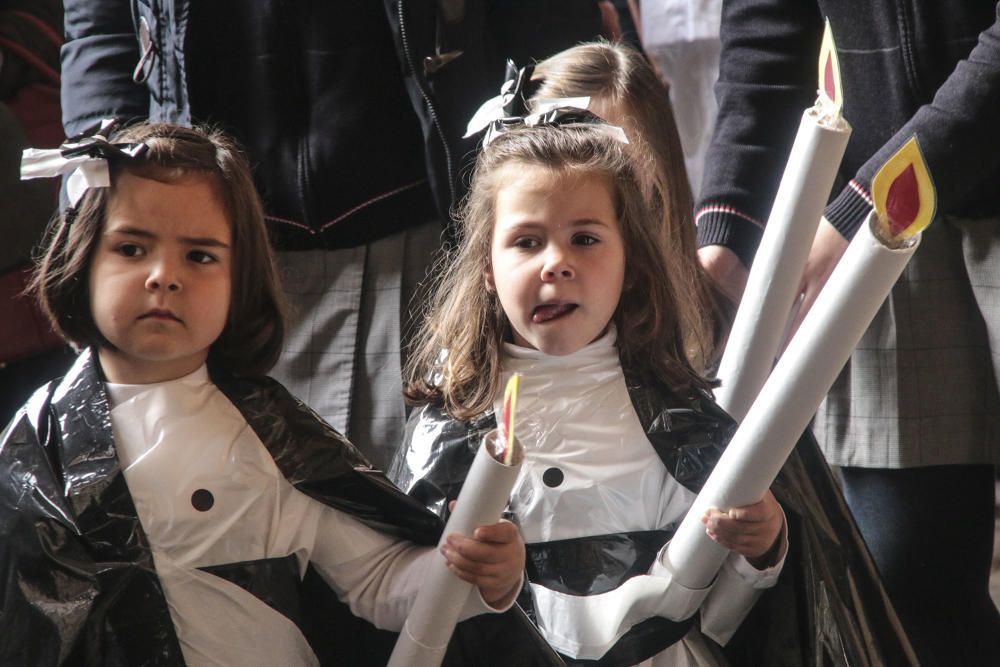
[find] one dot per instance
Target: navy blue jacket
(908, 67)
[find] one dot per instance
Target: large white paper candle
(773, 285)
(428, 629)
(789, 398)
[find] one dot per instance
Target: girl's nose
(163, 278)
(557, 267)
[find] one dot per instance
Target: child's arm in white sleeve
(377, 575)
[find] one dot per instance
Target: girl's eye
(585, 239)
(130, 250)
(525, 242)
(201, 257)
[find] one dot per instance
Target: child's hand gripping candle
(904, 205)
(429, 626)
(773, 285)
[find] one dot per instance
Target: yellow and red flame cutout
(829, 72)
(507, 422)
(903, 193)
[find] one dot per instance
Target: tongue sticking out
(552, 311)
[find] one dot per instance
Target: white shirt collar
(601, 348)
(118, 393)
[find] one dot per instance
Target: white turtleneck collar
(119, 393)
(602, 348)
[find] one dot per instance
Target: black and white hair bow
(513, 108)
(84, 157)
(511, 102)
(559, 116)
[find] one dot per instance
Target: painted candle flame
(903, 193)
(902, 202)
(507, 423)
(829, 71)
(829, 84)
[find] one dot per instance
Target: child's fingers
(749, 546)
(756, 513)
(497, 543)
(724, 524)
(493, 560)
(501, 532)
(475, 551)
(470, 569)
(738, 541)
(493, 578)
(749, 530)
(734, 529)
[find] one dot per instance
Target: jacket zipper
(427, 99)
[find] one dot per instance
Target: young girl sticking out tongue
(563, 275)
(165, 503)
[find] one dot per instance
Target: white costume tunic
(208, 493)
(590, 470)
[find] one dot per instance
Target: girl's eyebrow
(582, 222)
(187, 240)
(579, 222)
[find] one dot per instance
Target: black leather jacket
(351, 112)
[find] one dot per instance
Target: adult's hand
(827, 249)
(725, 269)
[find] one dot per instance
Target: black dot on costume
(553, 477)
(202, 500)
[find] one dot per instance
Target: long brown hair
(251, 340)
(457, 349)
(625, 90)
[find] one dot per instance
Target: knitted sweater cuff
(726, 226)
(850, 209)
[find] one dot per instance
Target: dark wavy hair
(254, 332)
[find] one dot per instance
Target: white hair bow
(84, 157)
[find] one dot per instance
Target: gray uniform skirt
(921, 387)
(342, 353)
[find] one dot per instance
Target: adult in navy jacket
(915, 417)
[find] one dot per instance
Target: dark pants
(930, 531)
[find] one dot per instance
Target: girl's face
(557, 257)
(161, 278)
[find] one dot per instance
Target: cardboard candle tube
(790, 397)
(432, 619)
(772, 287)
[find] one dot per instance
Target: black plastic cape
(77, 581)
(828, 607)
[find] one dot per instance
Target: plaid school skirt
(921, 387)
(342, 353)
